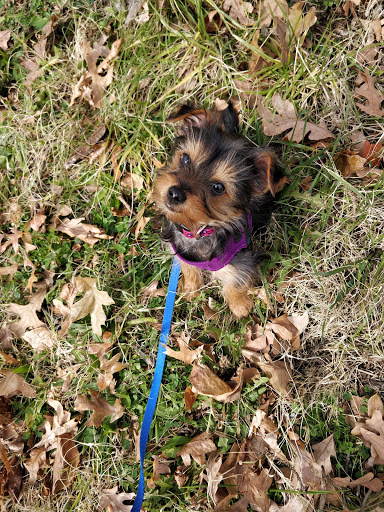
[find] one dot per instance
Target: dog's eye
(185, 159)
(217, 189)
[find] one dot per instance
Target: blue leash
(154, 393)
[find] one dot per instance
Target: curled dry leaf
(185, 354)
(87, 149)
(93, 83)
(100, 407)
(159, 468)
(278, 374)
(205, 382)
(114, 502)
(238, 10)
(75, 228)
(285, 120)
(10, 270)
(109, 367)
(197, 448)
(189, 398)
(5, 36)
(373, 96)
(212, 474)
(67, 459)
(40, 339)
(61, 424)
(14, 384)
(153, 291)
(37, 460)
(90, 304)
(323, 452)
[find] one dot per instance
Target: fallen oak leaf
(109, 366)
(255, 486)
(100, 407)
(207, 383)
(237, 10)
(159, 468)
(67, 459)
(39, 338)
(114, 502)
(10, 270)
(285, 120)
(93, 83)
(278, 374)
(153, 291)
(189, 398)
(374, 97)
(368, 480)
(5, 36)
(90, 304)
(14, 384)
(197, 448)
(185, 354)
(87, 149)
(323, 452)
(36, 460)
(75, 228)
(13, 480)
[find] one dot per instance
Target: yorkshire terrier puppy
(216, 190)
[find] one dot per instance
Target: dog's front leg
(192, 280)
(235, 290)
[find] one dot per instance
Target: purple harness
(230, 250)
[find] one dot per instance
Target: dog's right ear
(190, 116)
(270, 177)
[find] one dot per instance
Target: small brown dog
(216, 190)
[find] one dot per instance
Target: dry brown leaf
(100, 349)
(159, 468)
(213, 22)
(9, 359)
(37, 460)
(10, 270)
(255, 487)
(237, 10)
(75, 228)
(100, 407)
(189, 398)
(212, 474)
(13, 239)
(284, 328)
(368, 480)
(272, 9)
(133, 182)
(93, 83)
(181, 476)
(262, 295)
(305, 466)
(37, 221)
(39, 49)
(374, 97)
(14, 384)
(14, 479)
(207, 383)
(349, 163)
(285, 120)
(4, 38)
(40, 339)
(298, 23)
(185, 354)
(61, 424)
(141, 222)
(28, 318)
(197, 448)
(278, 374)
(109, 366)
(67, 459)
(323, 452)
(114, 502)
(87, 149)
(153, 291)
(90, 304)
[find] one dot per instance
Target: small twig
(364, 502)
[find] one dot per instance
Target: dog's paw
(239, 302)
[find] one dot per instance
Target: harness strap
(154, 393)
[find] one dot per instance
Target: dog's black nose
(176, 195)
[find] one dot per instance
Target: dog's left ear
(190, 116)
(270, 177)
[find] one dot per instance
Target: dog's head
(214, 173)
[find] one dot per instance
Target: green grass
(331, 234)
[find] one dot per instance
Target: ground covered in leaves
(280, 411)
